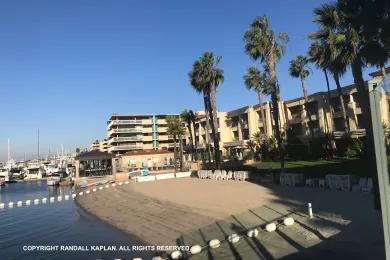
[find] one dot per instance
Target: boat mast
(38, 144)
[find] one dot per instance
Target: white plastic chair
(321, 183)
(309, 182)
(229, 175)
(369, 186)
(223, 175)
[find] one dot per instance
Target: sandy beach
(190, 210)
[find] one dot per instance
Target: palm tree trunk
(206, 111)
(214, 125)
(181, 152)
(189, 126)
(330, 124)
(364, 101)
(175, 152)
(262, 114)
(304, 89)
(275, 106)
(342, 104)
(195, 142)
(383, 71)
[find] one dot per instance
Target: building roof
(146, 152)
(378, 73)
(94, 155)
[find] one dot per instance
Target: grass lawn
(314, 168)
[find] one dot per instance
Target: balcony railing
(125, 139)
(125, 122)
(126, 130)
(126, 147)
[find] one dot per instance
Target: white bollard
(94, 190)
(66, 197)
(28, 202)
(19, 203)
(2, 205)
(126, 182)
(137, 258)
(87, 192)
(52, 199)
(73, 196)
(120, 184)
(195, 249)
(233, 238)
(10, 204)
(81, 193)
(157, 258)
(310, 210)
(36, 201)
(176, 254)
(59, 198)
(214, 243)
(113, 185)
(288, 221)
(271, 227)
(252, 232)
(107, 186)
(44, 200)
(100, 188)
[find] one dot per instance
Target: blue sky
(65, 66)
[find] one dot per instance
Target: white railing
(125, 139)
(126, 130)
(125, 147)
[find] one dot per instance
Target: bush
(349, 147)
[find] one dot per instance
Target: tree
(262, 44)
(331, 57)
(199, 86)
(298, 69)
(350, 23)
(175, 127)
(188, 117)
(254, 79)
(318, 56)
(208, 76)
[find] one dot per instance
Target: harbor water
(56, 224)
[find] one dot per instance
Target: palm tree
(188, 117)
(298, 69)
(331, 56)
(261, 44)
(318, 56)
(353, 35)
(176, 129)
(199, 86)
(205, 73)
(256, 80)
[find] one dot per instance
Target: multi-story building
(100, 145)
(138, 132)
(236, 127)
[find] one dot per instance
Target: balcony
(125, 139)
(125, 130)
(125, 147)
(124, 122)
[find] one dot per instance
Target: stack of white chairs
(309, 182)
(217, 175)
(223, 175)
(321, 183)
(229, 175)
(369, 186)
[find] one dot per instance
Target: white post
(310, 210)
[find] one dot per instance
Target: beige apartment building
(99, 145)
(138, 132)
(236, 127)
